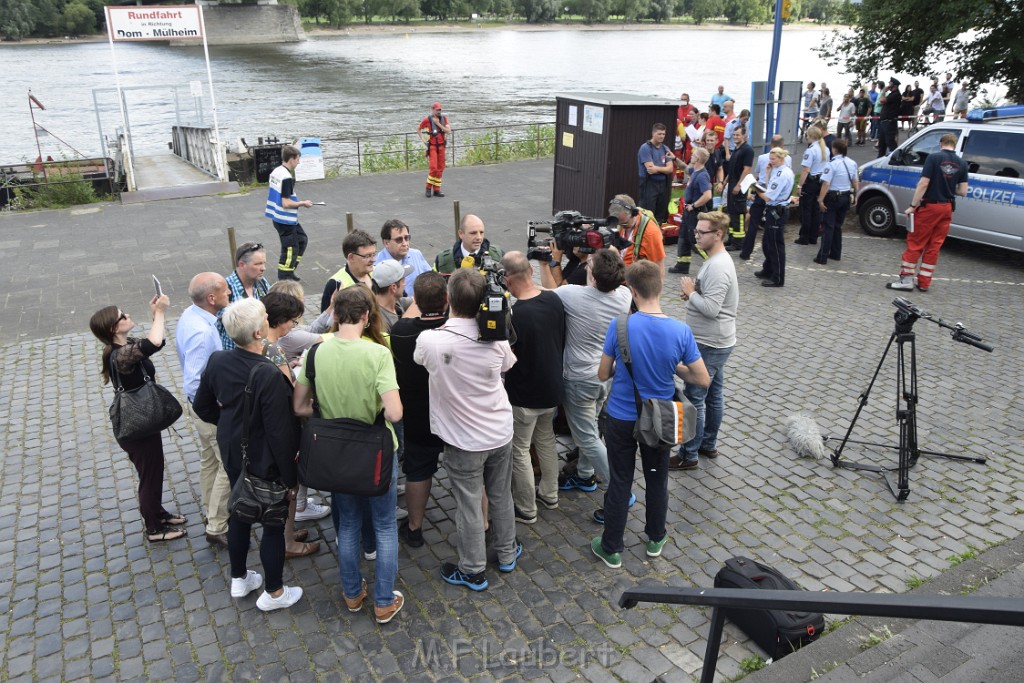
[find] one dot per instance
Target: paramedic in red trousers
(943, 178)
(283, 209)
(434, 131)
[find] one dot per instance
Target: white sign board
(311, 163)
(175, 22)
(593, 119)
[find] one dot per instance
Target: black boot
(437, 192)
(429, 193)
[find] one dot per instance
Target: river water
(346, 86)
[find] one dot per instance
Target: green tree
(660, 10)
(742, 11)
(17, 19)
(635, 10)
(49, 17)
(79, 19)
(976, 37)
(700, 10)
(537, 11)
(592, 10)
(400, 9)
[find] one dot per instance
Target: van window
(990, 152)
(915, 153)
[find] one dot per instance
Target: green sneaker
(613, 560)
(654, 547)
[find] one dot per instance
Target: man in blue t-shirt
(655, 165)
(660, 348)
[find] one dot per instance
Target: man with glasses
(360, 250)
(712, 300)
(246, 281)
(396, 239)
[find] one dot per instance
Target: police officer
(943, 178)
(837, 180)
(815, 160)
(756, 214)
(777, 199)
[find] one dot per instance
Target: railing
(98, 171)
(975, 610)
(197, 147)
(465, 146)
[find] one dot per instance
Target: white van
(992, 143)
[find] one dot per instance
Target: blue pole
(773, 68)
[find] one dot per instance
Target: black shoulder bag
(140, 412)
(660, 422)
(344, 455)
(254, 499)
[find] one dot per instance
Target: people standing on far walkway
(434, 131)
(283, 211)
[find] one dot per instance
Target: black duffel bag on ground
(344, 455)
(777, 632)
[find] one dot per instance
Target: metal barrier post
(232, 246)
(349, 225)
(458, 217)
(707, 674)
(405, 143)
(359, 159)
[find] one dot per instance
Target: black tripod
(906, 400)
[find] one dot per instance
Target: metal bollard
(349, 225)
(458, 217)
(233, 247)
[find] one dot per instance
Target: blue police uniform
(779, 189)
(839, 175)
(760, 172)
(810, 216)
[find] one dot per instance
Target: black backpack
(777, 632)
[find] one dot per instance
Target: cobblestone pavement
(83, 596)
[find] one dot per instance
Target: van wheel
(877, 217)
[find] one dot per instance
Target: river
(341, 87)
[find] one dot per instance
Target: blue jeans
(710, 403)
(350, 522)
(622, 449)
(583, 399)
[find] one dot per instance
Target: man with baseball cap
(889, 118)
(388, 285)
(433, 131)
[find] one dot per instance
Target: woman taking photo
(273, 441)
(355, 379)
(131, 361)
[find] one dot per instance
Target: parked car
(992, 143)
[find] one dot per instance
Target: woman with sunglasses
(130, 357)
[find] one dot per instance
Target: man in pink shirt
(471, 413)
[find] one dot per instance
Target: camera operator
(553, 274)
(534, 386)
(640, 230)
(470, 412)
(588, 312)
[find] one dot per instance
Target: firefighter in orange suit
(433, 131)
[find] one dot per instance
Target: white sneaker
(401, 514)
(400, 489)
(242, 587)
(370, 557)
(905, 283)
(289, 597)
(312, 511)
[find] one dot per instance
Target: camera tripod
(906, 400)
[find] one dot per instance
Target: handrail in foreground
(972, 609)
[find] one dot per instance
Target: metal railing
(976, 610)
(197, 147)
(465, 146)
(99, 171)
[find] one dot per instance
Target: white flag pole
(220, 157)
(129, 161)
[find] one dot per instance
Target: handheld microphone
(467, 262)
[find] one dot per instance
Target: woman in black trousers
(130, 357)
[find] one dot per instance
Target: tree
(635, 10)
(660, 10)
(976, 37)
(700, 10)
(592, 10)
(17, 20)
(742, 11)
(79, 19)
(537, 11)
(48, 18)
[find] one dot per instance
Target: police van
(991, 141)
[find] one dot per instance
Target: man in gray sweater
(711, 304)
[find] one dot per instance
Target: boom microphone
(805, 437)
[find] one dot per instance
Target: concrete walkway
(84, 597)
